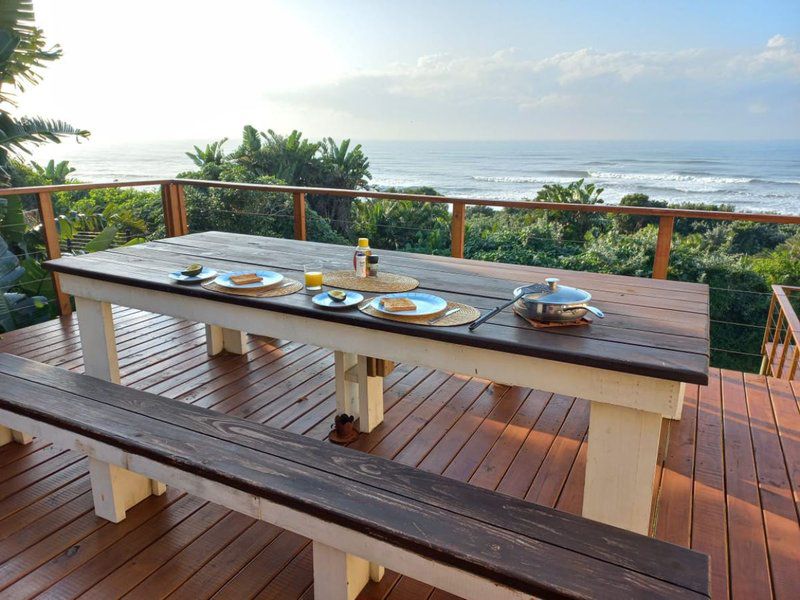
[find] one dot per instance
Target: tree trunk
(335, 210)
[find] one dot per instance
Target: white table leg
(370, 397)
(358, 392)
(12, 435)
(114, 489)
(346, 390)
(338, 575)
(620, 466)
(96, 325)
(219, 339)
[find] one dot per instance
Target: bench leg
(620, 466)
(219, 339)
(115, 490)
(12, 435)
(376, 572)
(96, 325)
(338, 575)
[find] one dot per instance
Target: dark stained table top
(652, 327)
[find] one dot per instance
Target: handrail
(523, 204)
(781, 335)
(80, 187)
(176, 223)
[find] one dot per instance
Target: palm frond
(16, 133)
(23, 50)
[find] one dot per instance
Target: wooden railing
(781, 346)
(176, 222)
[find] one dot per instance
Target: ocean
(753, 176)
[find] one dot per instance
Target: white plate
(268, 279)
(204, 275)
(325, 301)
(427, 304)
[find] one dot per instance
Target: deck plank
(782, 529)
(750, 576)
(732, 471)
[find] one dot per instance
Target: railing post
(663, 244)
(174, 217)
(458, 229)
(180, 196)
(767, 330)
(299, 215)
(52, 247)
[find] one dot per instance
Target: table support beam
(620, 466)
(8, 435)
(114, 489)
(96, 326)
(359, 391)
(219, 339)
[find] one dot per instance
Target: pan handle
(491, 313)
(595, 311)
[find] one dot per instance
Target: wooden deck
(729, 486)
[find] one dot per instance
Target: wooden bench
(355, 507)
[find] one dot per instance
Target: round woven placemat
(466, 314)
(383, 282)
(286, 287)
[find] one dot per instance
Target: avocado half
(192, 270)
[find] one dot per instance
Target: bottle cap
(372, 259)
(363, 242)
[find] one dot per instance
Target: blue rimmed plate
(427, 304)
(325, 301)
(268, 279)
(203, 275)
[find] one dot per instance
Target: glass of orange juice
(313, 273)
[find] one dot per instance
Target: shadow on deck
(729, 483)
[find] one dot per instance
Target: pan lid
(554, 293)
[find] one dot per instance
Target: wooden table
(632, 365)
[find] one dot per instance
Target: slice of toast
(398, 304)
(245, 279)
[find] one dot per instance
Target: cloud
(566, 91)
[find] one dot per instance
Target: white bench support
(338, 575)
(350, 542)
(115, 490)
(357, 391)
(11, 435)
(219, 339)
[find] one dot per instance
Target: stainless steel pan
(558, 303)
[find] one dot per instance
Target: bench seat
(356, 508)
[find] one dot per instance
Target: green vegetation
(24, 287)
(26, 290)
(23, 53)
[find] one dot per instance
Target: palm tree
(52, 173)
(209, 160)
(23, 53)
(342, 167)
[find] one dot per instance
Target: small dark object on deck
(344, 430)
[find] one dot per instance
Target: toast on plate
(398, 304)
(245, 279)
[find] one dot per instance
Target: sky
(423, 70)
